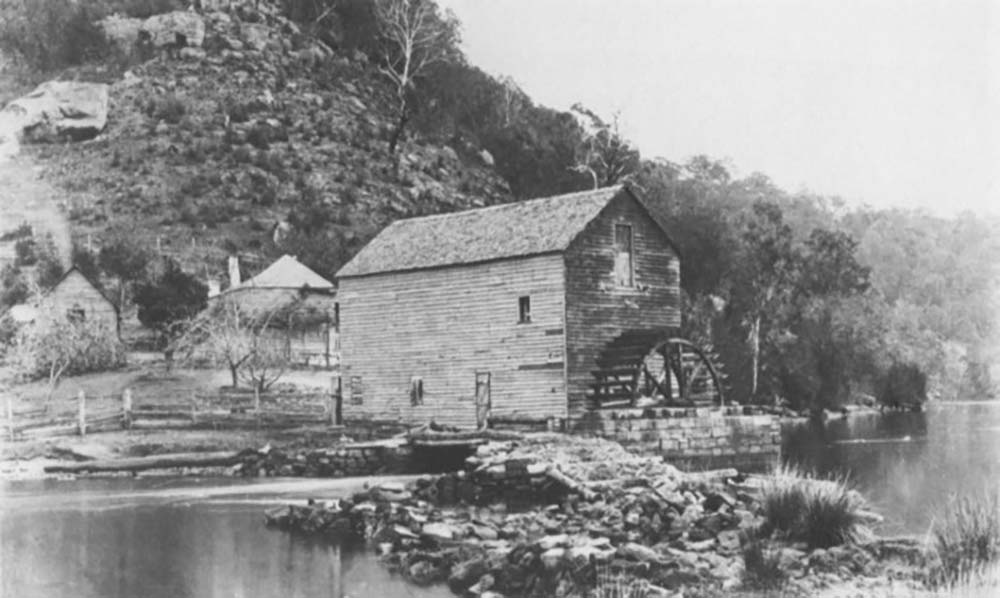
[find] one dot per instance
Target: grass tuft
(822, 513)
(967, 541)
(762, 566)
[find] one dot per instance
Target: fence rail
(103, 413)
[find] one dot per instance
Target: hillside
(242, 144)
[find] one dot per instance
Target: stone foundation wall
(696, 438)
(358, 459)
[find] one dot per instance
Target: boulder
(255, 36)
(729, 541)
(424, 573)
(175, 29)
(122, 32)
(66, 109)
(487, 158)
(465, 574)
(438, 531)
(637, 552)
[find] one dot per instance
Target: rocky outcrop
(174, 29)
(59, 109)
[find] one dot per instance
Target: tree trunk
(754, 356)
(232, 373)
(397, 133)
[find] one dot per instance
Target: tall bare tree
(414, 36)
(604, 153)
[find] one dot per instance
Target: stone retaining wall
(358, 459)
(696, 438)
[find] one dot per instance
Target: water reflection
(908, 464)
(91, 546)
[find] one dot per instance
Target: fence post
(127, 409)
(10, 418)
(338, 417)
(81, 416)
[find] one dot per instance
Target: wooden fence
(89, 414)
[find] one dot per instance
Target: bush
(170, 109)
(21, 232)
(24, 251)
(52, 34)
(967, 540)
(762, 567)
(904, 386)
(821, 513)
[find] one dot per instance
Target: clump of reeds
(967, 541)
(616, 584)
(762, 566)
(802, 508)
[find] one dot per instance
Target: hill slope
(244, 144)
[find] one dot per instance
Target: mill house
(536, 311)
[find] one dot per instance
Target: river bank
(563, 516)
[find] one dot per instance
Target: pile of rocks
(663, 530)
(657, 526)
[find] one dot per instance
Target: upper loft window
(624, 256)
(523, 310)
(76, 314)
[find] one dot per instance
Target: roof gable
(286, 273)
(76, 271)
(519, 229)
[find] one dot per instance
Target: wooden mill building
(502, 312)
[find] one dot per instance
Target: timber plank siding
(432, 305)
(74, 294)
(446, 325)
(598, 309)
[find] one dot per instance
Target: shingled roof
(286, 273)
(511, 230)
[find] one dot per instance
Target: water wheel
(642, 368)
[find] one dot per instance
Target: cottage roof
(286, 273)
(510, 230)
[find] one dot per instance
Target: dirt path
(25, 197)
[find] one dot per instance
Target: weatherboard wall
(75, 292)
(598, 310)
(445, 325)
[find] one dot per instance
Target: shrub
(24, 251)
(967, 540)
(52, 34)
(170, 109)
(21, 232)
(821, 513)
(761, 566)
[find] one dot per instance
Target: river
(909, 465)
(158, 537)
(168, 538)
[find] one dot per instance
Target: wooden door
(482, 399)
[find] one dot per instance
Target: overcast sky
(893, 103)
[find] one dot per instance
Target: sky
(890, 103)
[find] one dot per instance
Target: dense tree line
(805, 300)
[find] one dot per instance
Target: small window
(416, 391)
(624, 267)
(357, 391)
(76, 314)
(524, 310)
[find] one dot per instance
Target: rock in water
(178, 28)
(70, 109)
